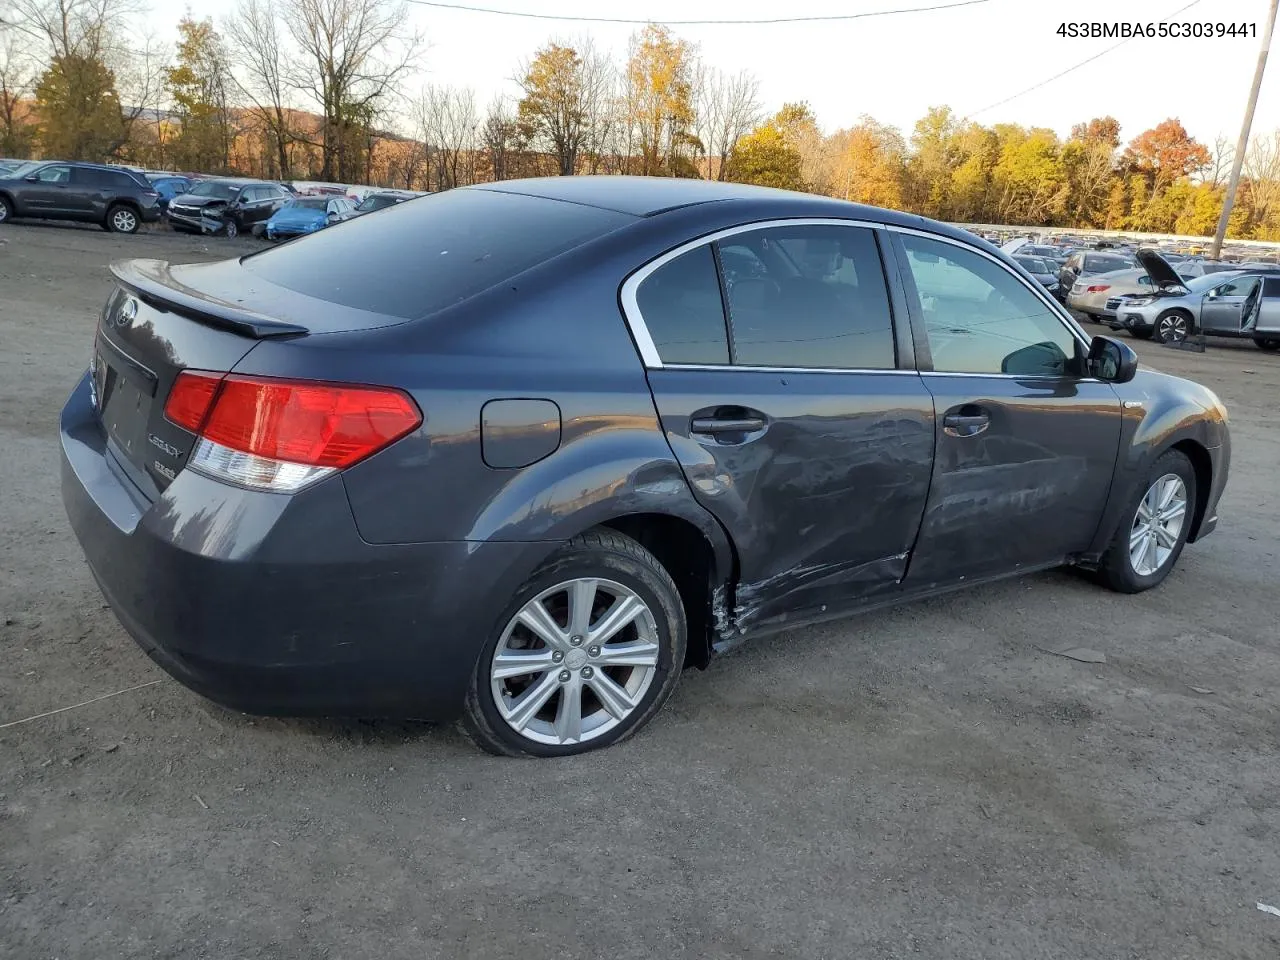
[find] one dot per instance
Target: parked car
(88, 192)
(382, 200)
(1041, 268)
(1095, 295)
(169, 187)
(307, 215)
(226, 206)
(497, 452)
(1085, 263)
(1241, 304)
(1199, 267)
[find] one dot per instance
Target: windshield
(220, 189)
(309, 203)
(1034, 264)
(21, 169)
(1207, 282)
(375, 203)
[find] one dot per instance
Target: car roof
(649, 196)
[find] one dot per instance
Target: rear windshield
(220, 189)
(416, 258)
(1105, 264)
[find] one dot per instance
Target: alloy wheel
(1157, 525)
(232, 230)
(1172, 329)
(575, 661)
(124, 221)
(4, 212)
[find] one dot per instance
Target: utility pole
(1215, 250)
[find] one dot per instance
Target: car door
(1026, 442)
(48, 192)
(1221, 308)
(773, 361)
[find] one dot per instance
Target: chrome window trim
(1055, 308)
(896, 371)
(631, 307)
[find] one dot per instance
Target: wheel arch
(1202, 464)
(701, 563)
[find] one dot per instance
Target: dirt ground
(924, 782)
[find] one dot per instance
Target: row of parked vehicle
(122, 199)
(1165, 295)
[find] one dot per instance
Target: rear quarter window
(418, 258)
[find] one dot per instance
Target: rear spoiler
(153, 283)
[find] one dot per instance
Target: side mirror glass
(1112, 360)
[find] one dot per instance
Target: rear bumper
(273, 604)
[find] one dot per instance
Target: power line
(1088, 60)
(697, 23)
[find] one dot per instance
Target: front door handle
(966, 422)
(714, 425)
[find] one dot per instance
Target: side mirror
(1111, 360)
(31, 178)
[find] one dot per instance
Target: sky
(892, 67)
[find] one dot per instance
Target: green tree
(1029, 176)
(564, 97)
(764, 157)
(79, 109)
(933, 160)
(197, 84)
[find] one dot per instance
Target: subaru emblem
(127, 312)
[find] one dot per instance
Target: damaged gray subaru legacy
(520, 453)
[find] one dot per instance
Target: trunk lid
(152, 328)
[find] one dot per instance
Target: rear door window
(807, 297)
(418, 258)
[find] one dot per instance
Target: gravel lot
(925, 782)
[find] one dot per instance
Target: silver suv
(1242, 303)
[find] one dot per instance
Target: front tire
(1142, 333)
(1270, 344)
(586, 653)
(232, 229)
(1150, 539)
(1173, 327)
(6, 210)
(122, 219)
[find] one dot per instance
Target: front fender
(1158, 413)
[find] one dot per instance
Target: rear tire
(122, 219)
(1270, 344)
(636, 667)
(1143, 334)
(1125, 568)
(6, 210)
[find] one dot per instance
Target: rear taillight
(1098, 288)
(283, 434)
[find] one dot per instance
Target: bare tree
(1219, 166)
(449, 126)
(17, 80)
(1262, 167)
(91, 29)
(726, 108)
(501, 139)
(566, 88)
(254, 37)
(140, 82)
(353, 57)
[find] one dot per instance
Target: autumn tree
(766, 158)
(565, 95)
(659, 100)
(932, 163)
(869, 164)
(1089, 162)
(79, 109)
(1164, 153)
(1262, 169)
(501, 140)
(197, 85)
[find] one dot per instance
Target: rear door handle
(966, 424)
(714, 425)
